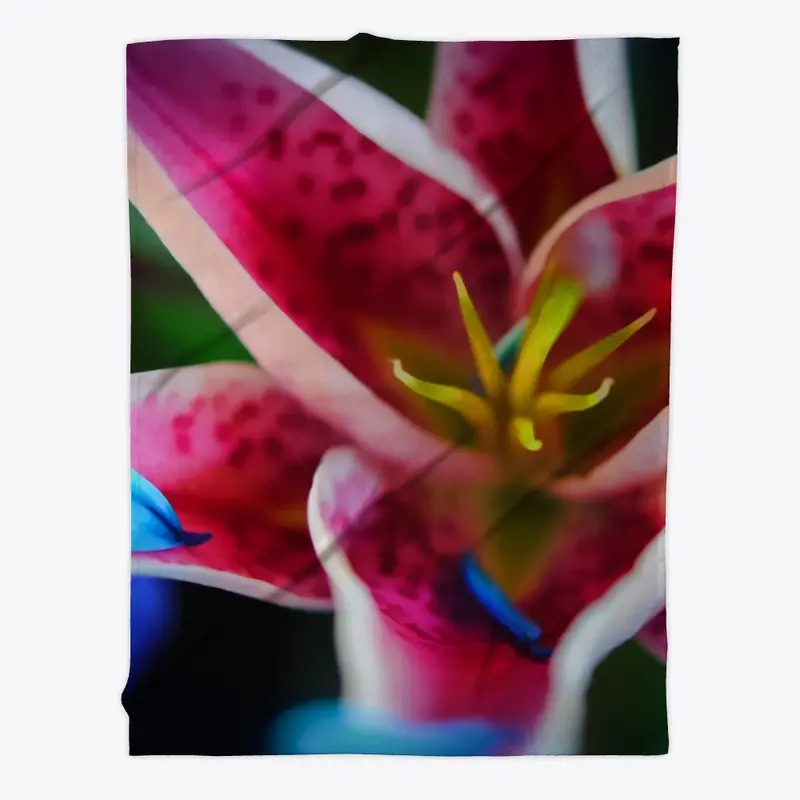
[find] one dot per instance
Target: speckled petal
(411, 638)
(618, 243)
(347, 239)
(518, 111)
(234, 456)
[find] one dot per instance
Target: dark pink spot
(223, 432)
(359, 231)
(240, 453)
(407, 192)
(245, 412)
(354, 188)
(183, 443)
(483, 248)
(327, 138)
(653, 251)
(266, 96)
(275, 144)
(666, 224)
(198, 404)
(489, 86)
(183, 422)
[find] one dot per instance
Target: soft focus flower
(365, 261)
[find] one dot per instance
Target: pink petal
(600, 543)
(341, 234)
(517, 111)
(411, 639)
(611, 620)
(642, 460)
(295, 362)
(619, 243)
(232, 453)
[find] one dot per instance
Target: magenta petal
(234, 456)
(516, 110)
(337, 231)
(599, 543)
(411, 638)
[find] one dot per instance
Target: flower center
(507, 416)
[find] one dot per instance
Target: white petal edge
(607, 623)
(217, 579)
(643, 459)
(604, 77)
(395, 129)
(357, 624)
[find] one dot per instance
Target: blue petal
(328, 727)
(154, 523)
(152, 620)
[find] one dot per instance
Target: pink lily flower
(368, 261)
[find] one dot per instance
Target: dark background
(234, 664)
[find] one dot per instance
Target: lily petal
(308, 194)
(641, 461)
(411, 640)
(618, 243)
(609, 622)
(517, 110)
(234, 456)
(296, 363)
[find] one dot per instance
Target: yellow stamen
(556, 403)
(522, 431)
(556, 313)
(574, 368)
(477, 411)
(537, 303)
(489, 370)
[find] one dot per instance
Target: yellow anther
(569, 372)
(475, 410)
(555, 403)
(489, 370)
(556, 313)
(522, 432)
